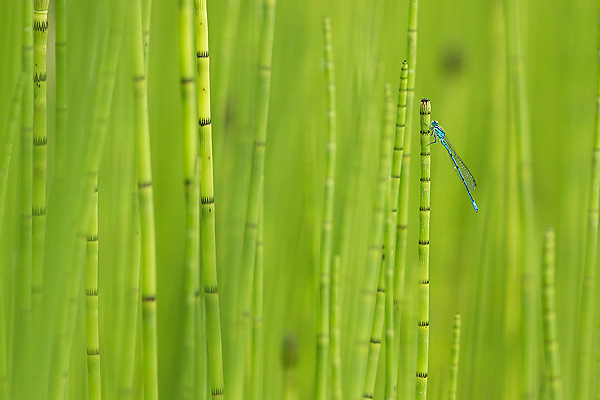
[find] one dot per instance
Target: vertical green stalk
(549, 318)
(380, 298)
(587, 313)
(91, 293)
(402, 225)
(334, 332)
(327, 223)
(255, 189)
(22, 353)
(12, 127)
(454, 359)
(146, 8)
(388, 246)
(520, 112)
(423, 291)
(125, 379)
(96, 132)
(390, 238)
(207, 215)
(361, 377)
(256, 392)
(61, 84)
(144, 173)
(40, 123)
(189, 118)
(289, 359)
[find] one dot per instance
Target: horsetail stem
(22, 350)
(588, 297)
(423, 282)
(322, 366)
(125, 378)
(189, 118)
(40, 124)
(334, 331)
(98, 125)
(145, 192)
(12, 127)
(454, 359)
(380, 298)
(549, 318)
(61, 84)
(391, 236)
(92, 301)
(256, 382)
(256, 184)
(207, 200)
(404, 385)
(520, 111)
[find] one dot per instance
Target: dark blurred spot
(289, 351)
(452, 60)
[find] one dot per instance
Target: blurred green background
(461, 68)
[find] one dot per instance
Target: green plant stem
(40, 123)
(92, 301)
(254, 199)
(518, 101)
(125, 379)
(391, 236)
(22, 350)
(423, 282)
(189, 118)
(327, 221)
(549, 318)
(404, 387)
(12, 127)
(146, 10)
(207, 215)
(148, 233)
(92, 152)
(588, 296)
(61, 84)
(365, 319)
(334, 332)
(380, 298)
(454, 358)
(256, 390)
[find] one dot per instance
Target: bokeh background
(475, 258)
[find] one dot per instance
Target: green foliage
(474, 260)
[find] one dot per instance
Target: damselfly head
(434, 124)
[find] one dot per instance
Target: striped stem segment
(423, 282)
(40, 124)
(334, 332)
(549, 318)
(91, 293)
(207, 215)
(380, 298)
(257, 332)
(391, 236)
(97, 128)
(454, 359)
(327, 222)
(404, 381)
(189, 118)
(125, 379)
(588, 309)
(144, 177)
(255, 189)
(22, 350)
(369, 293)
(146, 8)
